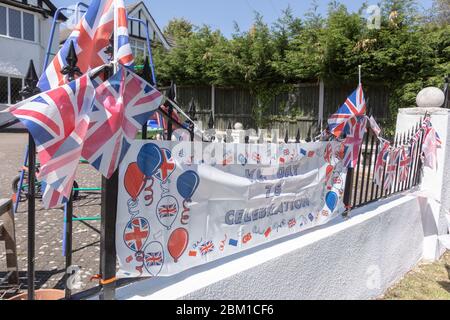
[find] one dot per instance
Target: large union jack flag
(58, 120)
(391, 168)
(91, 38)
(354, 131)
(122, 106)
(380, 162)
(355, 105)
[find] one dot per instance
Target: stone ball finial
(430, 97)
(238, 126)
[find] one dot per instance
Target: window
(138, 47)
(3, 20)
(28, 26)
(17, 24)
(10, 88)
(4, 89)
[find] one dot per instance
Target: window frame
(21, 11)
(8, 77)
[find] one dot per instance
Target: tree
(179, 28)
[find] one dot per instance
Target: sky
(221, 14)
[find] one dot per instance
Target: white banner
(179, 206)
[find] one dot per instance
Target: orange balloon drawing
(134, 180)
(177, 243)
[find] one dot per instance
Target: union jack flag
(206, 247)
(58, 120)
(167, 166)
(354, 130)
(153, 258)
(355, 105)
(381, 162)
(136, 233)
(122, 105)
(167, 210)
(374, 125)
(394, 156)
(90, 38)
(431, 143)
(404, 163)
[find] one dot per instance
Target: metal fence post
(30, 90)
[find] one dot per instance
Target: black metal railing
(361, 188)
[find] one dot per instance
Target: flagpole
(116, 36)
(359, 74)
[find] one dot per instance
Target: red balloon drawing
(177, 243)
(329, 171)
(134, 180)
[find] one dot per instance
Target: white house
(24, 31)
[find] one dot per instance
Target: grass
(428, 281)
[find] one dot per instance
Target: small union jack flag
(58, 120)
(394, 156)
(136, 233)
(354, 130)
(380, 163)
(374, 125)
(153, 258)
(123, 104)
(91, 38)
(206, 247)
(167, 210)
(431, 143)
(404, 163)
(355, 105)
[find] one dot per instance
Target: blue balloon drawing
(149, 159)
(331, 200)
(187, 183)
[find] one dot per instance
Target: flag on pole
(394, 155)
(381, 162)
(354, 130)
(91, 37)
(58, 120)
(355, 105)
(122, 106)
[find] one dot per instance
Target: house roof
(39, 9)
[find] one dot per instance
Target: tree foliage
(409, 51)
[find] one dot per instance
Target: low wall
(354, 258)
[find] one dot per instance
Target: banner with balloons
(181, 205)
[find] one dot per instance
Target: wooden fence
(304, 107)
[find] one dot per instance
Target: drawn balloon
(136, 233)
(177, 243)
(154, 257)
(149, 159)
(187, 183)
(134, 180)
(331, 200)
(167, 210)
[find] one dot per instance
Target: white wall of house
(17, 51)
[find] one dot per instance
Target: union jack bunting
(391, 168)
(404, 163)
(431, 143)
(58, 120)
(381, 162)
(122, 105)
(91, 38)
(374, 125)
(354, 130)
(355, 105)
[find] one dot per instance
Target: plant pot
(41, 294)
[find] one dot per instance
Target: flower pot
(41, 294)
